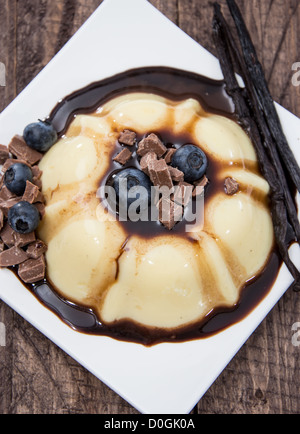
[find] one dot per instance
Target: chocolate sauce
(167, 82)
(176, 85)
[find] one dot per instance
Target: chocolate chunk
(6, 235)
(36, 172)
(159, 174)
(176, 174)
(12, 256)
(41, 208)
(19, 148)
(145, 161)
(6, 194)
(36, 249)
(31, 264)
(40, 198)
(7, 204)
(127, 137)
(231, 186)
(22, 240)
(31, 193)
(4, 154)
(1, 219)
(151, 143)
(183, 193)
(169, 155)
(32, 270)
(169, 212)
(123, 157)
(12, 238)
(199, 186)
(37, 182)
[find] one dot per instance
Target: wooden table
(35, 375)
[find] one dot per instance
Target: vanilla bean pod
(268, 140)
(245, 118)
(258, 79)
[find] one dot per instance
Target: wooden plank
(43, 29)
(8, 50)
(35, 375)
(169, 8)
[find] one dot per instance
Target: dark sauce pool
(176, 85)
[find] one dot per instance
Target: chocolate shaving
(4, 154)
(7, 204)
(6, 235)
(22, 240)
(41, 208)
(160, 175)
(37, 182)
(169, 155)
(170, 212)
(1, 219)
(231, 186)
(21, 150)
(123, 157)
(12, 238)
(183, 193)
(251, 112)
(151, 143)
(200, 186)
(31, 193)
(36, 249)
(176, 174)
(12, 161)
(32, 270)
(145, 161)
(36, 172)
(12, 256)
(128, 138)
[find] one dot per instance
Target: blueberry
(192, 161)
(23, 217)
(16, 176)
(40, 136)
(131, 184)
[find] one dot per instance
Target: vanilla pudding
(171, 279)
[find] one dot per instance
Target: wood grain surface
(36, 376)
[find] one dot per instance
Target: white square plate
(167, 378)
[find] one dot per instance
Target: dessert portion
(151, 202)
(173, 274)
(137, 210)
